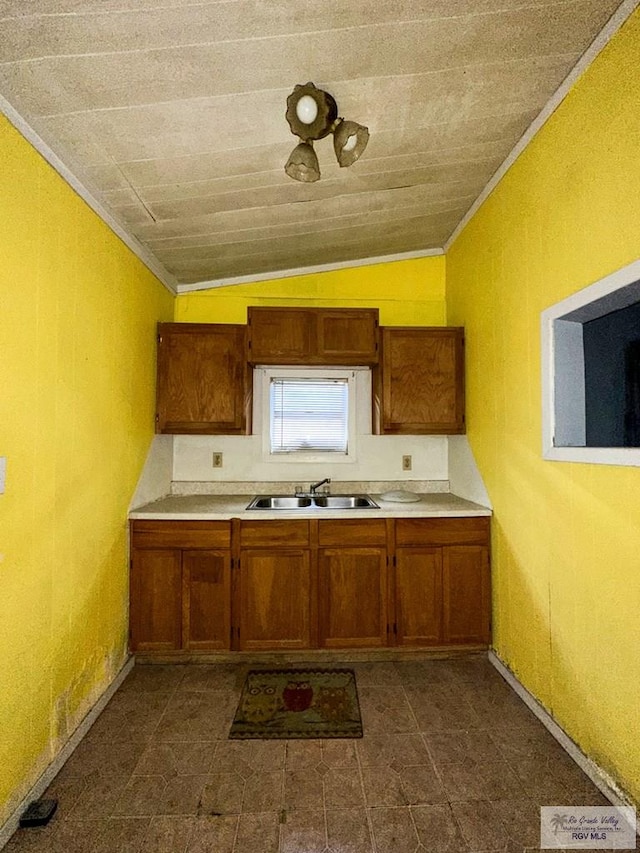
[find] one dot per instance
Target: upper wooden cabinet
(419, 383)
(310, 336)
(204, 383)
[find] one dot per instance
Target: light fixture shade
(349, 141)
(303, 164)
(305, 121)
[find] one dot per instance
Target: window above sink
(310, 414)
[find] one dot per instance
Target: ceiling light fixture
(313, 114)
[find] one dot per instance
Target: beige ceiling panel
(102, 27)
(293, 260)
(449, 134)
(251, 240)
(172, 114)
(133, 215)
(164, 191)
(208, 165)
(376, 174)
(306, 13)
(309, 212)
(52, 7)
(502, 128)
(314, 212)
(226, 232)
(181, 129)
(131, 78)
(295, 192)
(112, 27)
(203, 189)
(120, 197)
(107, 177)
(71, 138)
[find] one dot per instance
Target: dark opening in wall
(612, 378)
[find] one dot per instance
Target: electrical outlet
(406, 463)
(216, 460)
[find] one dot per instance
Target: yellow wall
(566, 559)
(77, 348)
(408, 293)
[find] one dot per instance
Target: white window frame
(561, 337)
(262, 377)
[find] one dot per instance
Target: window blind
(309, 414)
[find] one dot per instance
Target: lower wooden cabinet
(180, 586)
(352, 583)
(418, 596)
(353, 597)
(290, 585)
(206, 599)
(275, 600)
(156, 600)
(466, 594)
(442, 581)
(276, 587)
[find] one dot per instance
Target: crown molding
(619, 17)
(276, 274)
(144, 255)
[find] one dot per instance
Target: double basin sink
(289, 502)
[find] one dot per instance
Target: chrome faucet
(314, 486)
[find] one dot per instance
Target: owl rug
(298, 703)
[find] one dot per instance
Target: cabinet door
(347, 337)
(352, 590)
(206, 585)
(466, 591)
(203, 380)
(309, 336)
(418, 591)
(156, 600)
(419, 387)
(281, 335)
(276, 599)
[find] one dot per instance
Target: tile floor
(451, 760)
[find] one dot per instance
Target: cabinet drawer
(255, 534)
(352, 532)
(442, 531)
(181, 534)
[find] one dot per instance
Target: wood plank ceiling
(171, 112)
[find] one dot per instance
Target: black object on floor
(38, 813)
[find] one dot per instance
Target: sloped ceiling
(171, 113)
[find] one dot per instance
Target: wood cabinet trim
(284, 534)
(180, 534)
(357, 531)
(442, 531)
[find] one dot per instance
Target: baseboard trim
(10, 826)
(598, 776)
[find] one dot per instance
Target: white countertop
(224, 507)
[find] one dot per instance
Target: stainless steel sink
(279, 502)
(345, 502)
(287, 502)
